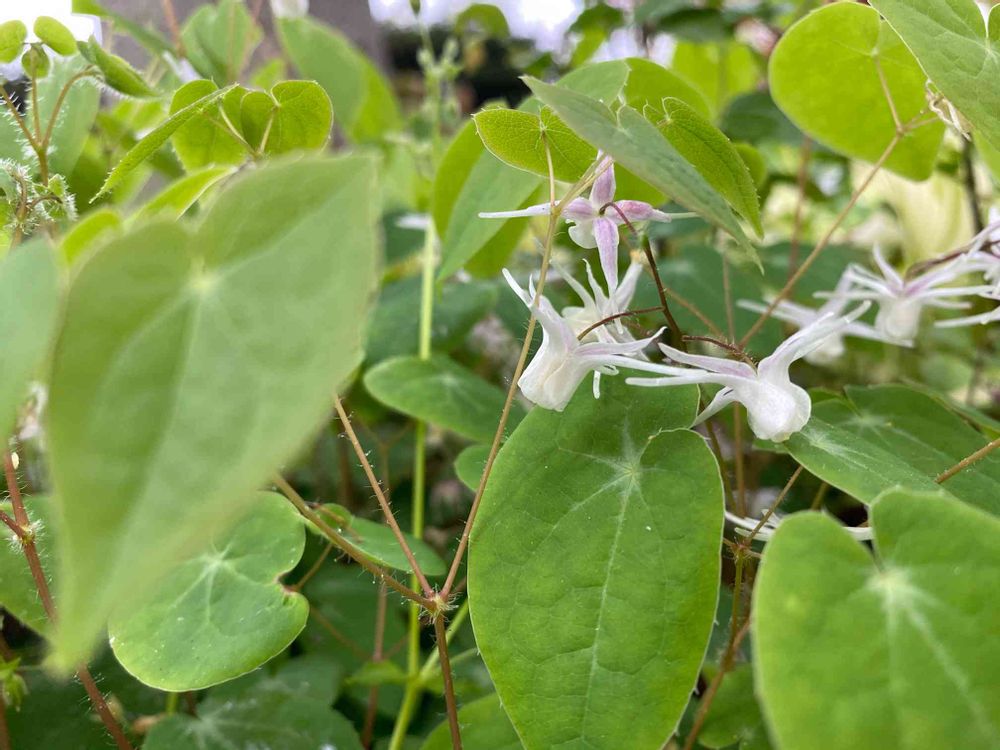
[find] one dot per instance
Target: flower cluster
(591, 338)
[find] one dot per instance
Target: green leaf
(152, 142)
(55, 36)
(734, 717)
(442, 392)
(887, 435)
(824, 74)
(484, 725)
(720, 71)
(174, 200)
(173, 338)
(92, 229)
(394, 327)
(711, 153)
(12, 36)
(18, 593)
(28, 321)
(959, 53)
(470, 464)
(191, 631)
(206, 139)
(378, 542)
(379, 111)
(36, 62)
(295, 115)
(594, 568)
(899, 651)
(637, 145)
(117, 73)
(520, 140)
(219, 39)
(649, 84)
(256, 719)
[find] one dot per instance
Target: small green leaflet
(484, 725)
(206, 139)
(824, 74)
(294, 115)
(594, 568)
(896, 651)
(222, 612)
(219, 39)
(12, 36)
(958, 51)
(154, 140)
(734, 716)
(470, 464)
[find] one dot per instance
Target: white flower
(801, 316)
(745, 526)
(289, 8)
(562, 361)
(901, 301)
(598, 306)
(776, 407)
(596, 219)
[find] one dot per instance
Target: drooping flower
(745, 526)
(901, 301)
(801, 316)
(562, 361)
(595, 220)
(598, 306)
(776, 407)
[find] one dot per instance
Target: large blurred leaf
(594, 568)
(29, 306)
(221, 613)
(442, 392)
(637, 145)
(649, 84)
(958, 51)
(899, 651)
(193, 363)
(824, 74)
(718, 70)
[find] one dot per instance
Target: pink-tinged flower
(901, 301)
(595, 220)
(562, 361)
(598, 306)
(776, 407)
(801, 316)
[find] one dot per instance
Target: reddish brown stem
(377, 656)
(449, 687)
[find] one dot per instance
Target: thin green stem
(173, 700)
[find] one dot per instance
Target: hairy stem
(966, 462)
(449, 687)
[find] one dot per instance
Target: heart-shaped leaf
(826, 74)
(221, 613)
(594, 568)
(205, 139)
(294, 115)
(896, 651)
(176, 340)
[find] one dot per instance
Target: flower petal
(603, 191)
(542, 209)
(606, 235)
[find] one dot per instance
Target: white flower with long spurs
(746, 526)
(562, 361)
(901, 301)
(595, 220)
(776, 407)
(598, 306)
(801, 316)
